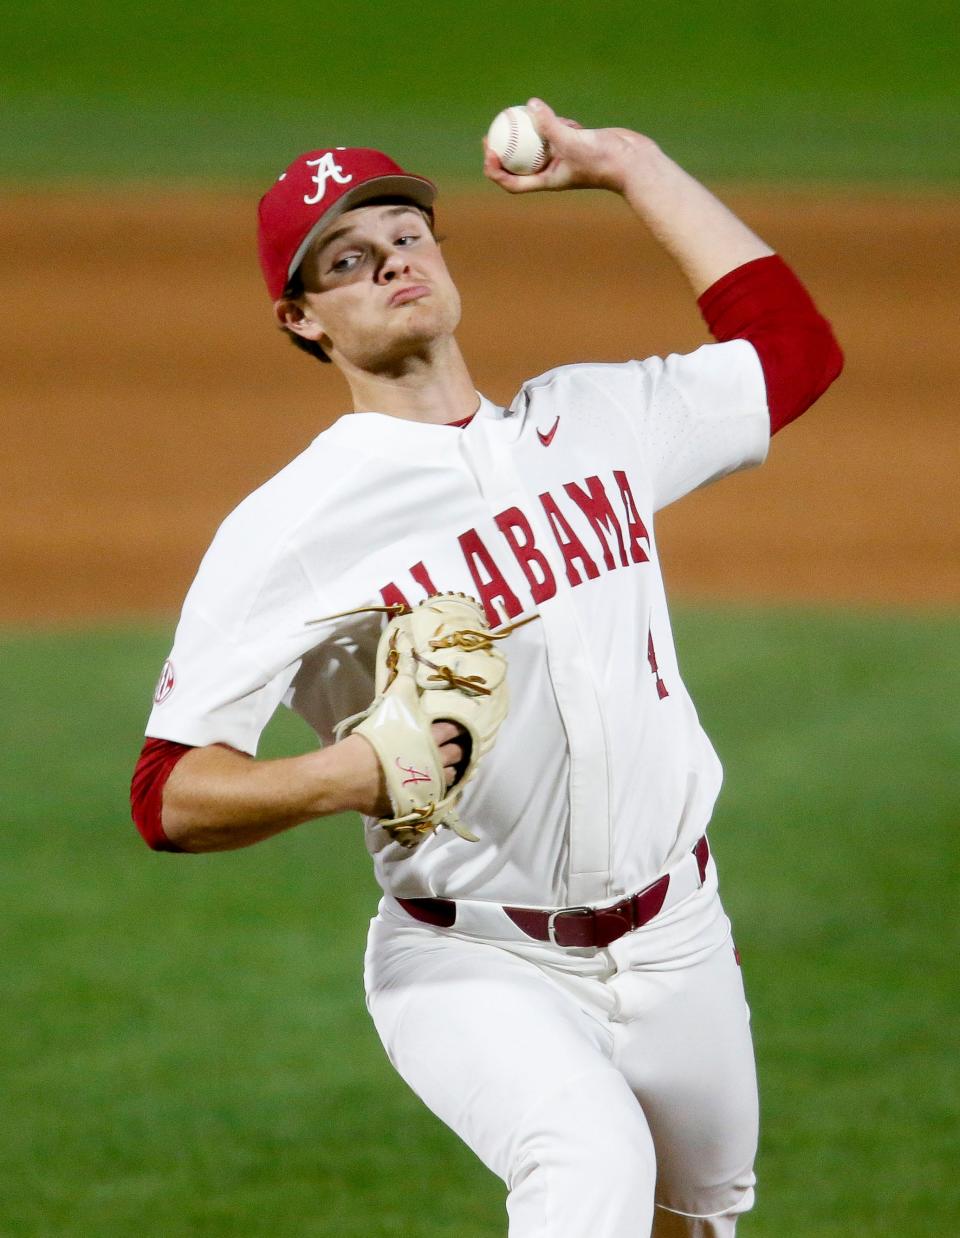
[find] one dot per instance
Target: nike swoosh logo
(547, 438)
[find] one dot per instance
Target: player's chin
(414, 330)
(437, 311)
(432, 312)
(392, 350)
(422, 329)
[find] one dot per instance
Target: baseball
(520, 148)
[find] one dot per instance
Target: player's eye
(346, 262)
(408, 238)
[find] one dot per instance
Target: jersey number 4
(662, 689)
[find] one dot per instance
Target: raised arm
(744, 290)
(703, 236)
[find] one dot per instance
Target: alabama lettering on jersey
(601, 776)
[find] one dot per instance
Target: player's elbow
(798, 367)
(179, 828)
(146, 810)
(158, 841)
(154, 765)
(824, 363)
(831, 357)
(168, 824)
(152, 830)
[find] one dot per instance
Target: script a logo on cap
(326, 168)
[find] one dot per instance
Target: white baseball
(520, 148)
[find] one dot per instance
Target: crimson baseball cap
(316, 188)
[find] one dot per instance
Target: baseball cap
(317, 187)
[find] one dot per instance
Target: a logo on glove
(416, 775)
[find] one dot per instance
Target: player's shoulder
(300, 489)
(581, 372)
(634, 380)
(585, 382)
(260, 537)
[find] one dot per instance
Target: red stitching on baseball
(514, 133)
(539, 160)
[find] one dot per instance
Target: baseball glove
(437, 662)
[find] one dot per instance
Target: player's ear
(294, 318)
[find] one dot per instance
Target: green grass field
(186, 1050)
(94, 89)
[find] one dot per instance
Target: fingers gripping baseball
(579, 158)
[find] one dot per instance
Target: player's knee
(710, 1213)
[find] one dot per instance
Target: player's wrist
(644, 171)
(618, 160)
(352, 780)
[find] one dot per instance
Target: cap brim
(418, 189)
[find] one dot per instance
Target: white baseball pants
(613, 1090)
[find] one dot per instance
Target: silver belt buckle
(564, 911)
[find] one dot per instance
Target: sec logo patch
(164, 683)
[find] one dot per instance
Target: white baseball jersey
(601, 777)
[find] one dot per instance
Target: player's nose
(392, 265)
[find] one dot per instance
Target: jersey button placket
(589, 843)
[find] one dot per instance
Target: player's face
(376, 288)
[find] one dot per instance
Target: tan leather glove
(438, 662)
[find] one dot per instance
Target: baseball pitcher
(465, 602)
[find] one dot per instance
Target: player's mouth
(412, 292)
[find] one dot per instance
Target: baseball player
(558, 981)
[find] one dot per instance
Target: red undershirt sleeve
(764, 302)
(156, 761)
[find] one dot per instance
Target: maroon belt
(570, 926)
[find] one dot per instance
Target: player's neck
(436, 388)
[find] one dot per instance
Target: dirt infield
(146, 391)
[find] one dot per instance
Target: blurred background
(186, 1049)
